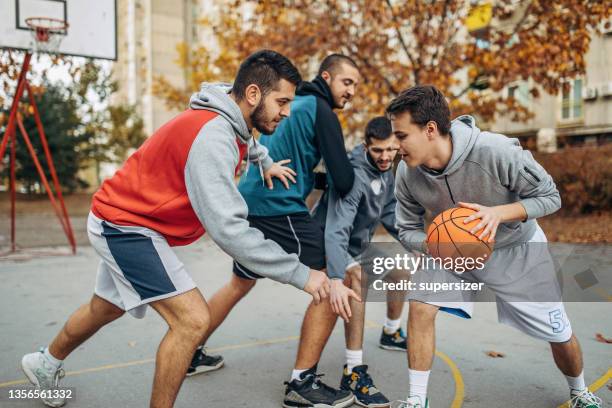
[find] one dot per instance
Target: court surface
(259, 341)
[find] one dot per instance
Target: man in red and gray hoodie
(175, 187)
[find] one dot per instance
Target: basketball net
(47, 33)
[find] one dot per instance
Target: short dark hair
(332, 62)
(425, 103)
(378, 128)
(264, 68)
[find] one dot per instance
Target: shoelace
(59, 371)
(585, 396)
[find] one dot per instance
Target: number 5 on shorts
(556, 321)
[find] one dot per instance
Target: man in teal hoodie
(447, 164)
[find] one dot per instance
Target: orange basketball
(449, 237)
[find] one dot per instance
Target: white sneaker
(585, 399)
(44, 376)
(411, 402)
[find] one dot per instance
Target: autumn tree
(398, 44)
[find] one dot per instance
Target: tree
(79, 121)
(398, 44)
(113, 130)
(62, 126)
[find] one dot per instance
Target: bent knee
(193, 325)
(422, 311)
(105, 309)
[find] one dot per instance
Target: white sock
(295, 374)
(54, 362)
(418, 383)
(391, 326)
(354, 358)
(576, 384)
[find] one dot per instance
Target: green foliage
(62, 126)
(83, 129)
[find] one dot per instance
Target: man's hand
(317, 286)
(339, 299)
(490, 218)
(281, 172)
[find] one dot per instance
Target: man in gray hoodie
(175, 187)
(350, 223)
(445, 164)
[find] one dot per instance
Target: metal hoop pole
(58, 189)
(10, 127)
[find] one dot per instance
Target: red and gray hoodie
(180, 183)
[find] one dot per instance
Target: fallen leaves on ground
(600, 338)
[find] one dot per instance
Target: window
(520, 92)
(571, 101)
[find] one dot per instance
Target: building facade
(582, 114)
(148, 34)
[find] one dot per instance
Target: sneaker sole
(206, 369)
(382, 405)
(392, 348)
(34, 381)
(341, 404)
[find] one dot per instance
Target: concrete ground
(259, 341)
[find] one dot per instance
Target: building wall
(149, 31)
(596, 117)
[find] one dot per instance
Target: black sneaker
(362, 386)
(396, 341)
(203, 363)
(310, 391)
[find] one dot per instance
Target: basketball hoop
(47, 33)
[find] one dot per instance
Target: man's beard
(258, 119)
(339, 104)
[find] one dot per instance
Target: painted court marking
(459, 385)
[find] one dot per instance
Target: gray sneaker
(36, 367)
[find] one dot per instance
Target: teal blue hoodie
(311, 132)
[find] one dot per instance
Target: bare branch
(400, 37)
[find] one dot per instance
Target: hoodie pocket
(510, 226)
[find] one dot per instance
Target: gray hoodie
(485, 168)
(350, 222)
(209, 178)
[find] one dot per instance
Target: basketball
(449, 237)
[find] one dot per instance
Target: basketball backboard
(92, 25)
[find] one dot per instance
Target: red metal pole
(10, 127)
(13, 189)
(41, 173)
(58, 189)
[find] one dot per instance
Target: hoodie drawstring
(449, 189)
(261, 172)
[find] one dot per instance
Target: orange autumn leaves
(399, 44)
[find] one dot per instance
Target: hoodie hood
(359, 159)
(317, 87)
(463, 133)
(215, 97)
